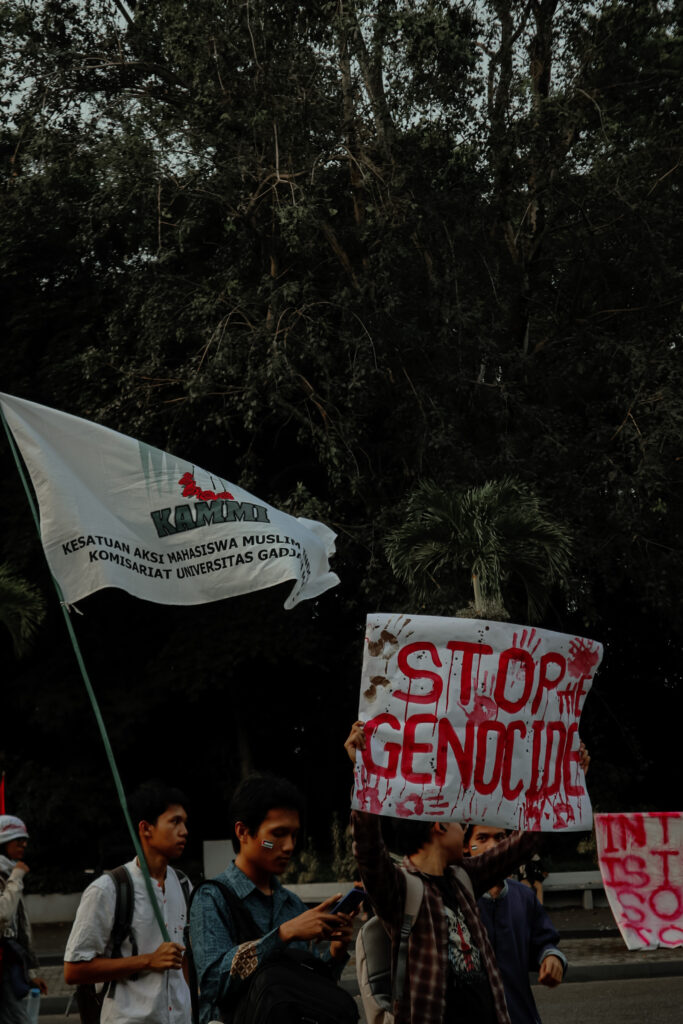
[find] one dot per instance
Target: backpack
(380, 991)
(291, 986)
(88, 1000)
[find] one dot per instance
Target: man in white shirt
(145, 978)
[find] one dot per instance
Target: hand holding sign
(355, 740)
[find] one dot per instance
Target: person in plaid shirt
(451, 976)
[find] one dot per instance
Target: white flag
(115, 512)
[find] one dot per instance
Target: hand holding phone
(349, 903)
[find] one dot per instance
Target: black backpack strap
(123, 920)
(186, 886)
(243, 923)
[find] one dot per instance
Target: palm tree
(22, 609)
(500, 531)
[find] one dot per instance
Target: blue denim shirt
(222, 963)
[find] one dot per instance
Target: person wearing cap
(14, 922)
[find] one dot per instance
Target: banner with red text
(115, 512)
(476, 721)
(641, 860)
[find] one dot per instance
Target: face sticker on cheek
(267, 844)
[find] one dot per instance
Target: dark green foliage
(22, 609)
(499, 535)
(330, 250)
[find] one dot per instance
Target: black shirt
(468, 990)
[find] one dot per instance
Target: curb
(622, 972)
(56, 1004)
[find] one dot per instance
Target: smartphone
(349, 902)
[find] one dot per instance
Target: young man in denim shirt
(265, 815)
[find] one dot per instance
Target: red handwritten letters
(474, 720)
(641, 860)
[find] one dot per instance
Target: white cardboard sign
(641, 860)
(473, 721)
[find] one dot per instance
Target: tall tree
(22, 609)
(333, 249)
(499, 534)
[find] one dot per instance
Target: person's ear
(144, 829)
(241, 831)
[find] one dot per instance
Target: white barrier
(53, 908)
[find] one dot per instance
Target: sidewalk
(589, 939)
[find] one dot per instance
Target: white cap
(11, 828)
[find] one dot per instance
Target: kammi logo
(192, 490)
(168, 521)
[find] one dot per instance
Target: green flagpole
(93, 699)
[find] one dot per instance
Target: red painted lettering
(671, 935)
(553, 760)
(544, 680)
(411, 747)
(663, 818)
(666, 902)
(536, 781)
(468, 652)
(500, 731)
(665, 854)
(392, 750)
(623, 824)
(571, 754)
(511, 792)
(419, 673)
(449, 740)
(515, 654)
(579, 693)
(629, 871)
(628, 909)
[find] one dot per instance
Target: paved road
(632, 1001)
(655, 1000)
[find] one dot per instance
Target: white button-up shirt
(154, 997)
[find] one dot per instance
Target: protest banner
(115, 512)
(641, 860)
(473, 721)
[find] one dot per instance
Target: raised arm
(497, 863)
(11, 893)
(384, 882)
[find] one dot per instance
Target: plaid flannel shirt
(424, 1000)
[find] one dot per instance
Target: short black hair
(258, 794)
(468, 831)
(409, 835)
(151, 799)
